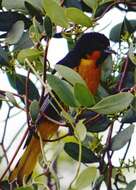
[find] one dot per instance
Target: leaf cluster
(27, 28)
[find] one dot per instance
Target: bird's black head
(87, 44)
(91, 42)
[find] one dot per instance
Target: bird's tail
(27, 162)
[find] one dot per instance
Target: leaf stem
(109, 156)
(78, 166)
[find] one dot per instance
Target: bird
(86, 58)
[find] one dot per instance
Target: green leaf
(11, 98)
(4, 185)
(85, 178)
(131, 54)
(102, 91)
(34, 11)
(24, 188)
(18, 82)
(24, 42)
(98, 126)
(36, 3)
(71, 43)
(62, 90)
(98, 182)
(55, 12)
(106, 68)
(34, 109)
(1, 101)
(35, 31)
(4, 60)
(19, 4)
(30, 54)
(72, 149)
(83, 95)
(35, 186)
(15, 33)
(69, 139)
(69, 74)
(93, 4)
(114, 103)
(48, 26)
(106, 1)
(8, 18)
(21, 87)
(94, 122)
(80, 130)
(86, 8)
(116, 30)
(129, 116)
(120, 140)
(78, 17)
(73, 3)
(127, 26)
(102, 7)
(0, 4)
(131, 185)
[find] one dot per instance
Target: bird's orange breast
(90, 72)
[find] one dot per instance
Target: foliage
(27, 28)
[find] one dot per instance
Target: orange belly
(91, 73)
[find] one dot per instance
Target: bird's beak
(109, 50)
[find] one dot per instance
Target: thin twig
(53, 120)
(122, 161)
(3, 92)
(27, 98)
(123, 75)
(5, 127)
(15, 154)
(57, 139)
(5, 154)
(44, 70)
(14, 138)
(4, 133)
